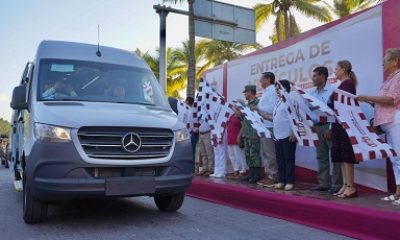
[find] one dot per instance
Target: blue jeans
(285, 157)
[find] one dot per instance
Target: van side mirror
(18, 101)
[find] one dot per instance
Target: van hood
(79, 114)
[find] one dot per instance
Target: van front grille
(114, 142)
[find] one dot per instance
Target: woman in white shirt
(285, 142)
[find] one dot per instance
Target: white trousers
(392, 131)
(220, 156)
(238, 160)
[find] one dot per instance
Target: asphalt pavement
(138, 218)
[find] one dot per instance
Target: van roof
(87, 52)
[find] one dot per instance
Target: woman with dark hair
(285, 142)
(342, 149)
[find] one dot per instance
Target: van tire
(34, 210)
(169, 202)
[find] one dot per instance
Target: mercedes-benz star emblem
(131, 142)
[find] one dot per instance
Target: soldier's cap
(250, 88)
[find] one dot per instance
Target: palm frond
(320, 13)
(263, 12)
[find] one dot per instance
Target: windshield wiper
(144, 103)
(141, 103)
(61, 99)
(90, 82)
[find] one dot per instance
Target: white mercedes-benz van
(94, 123)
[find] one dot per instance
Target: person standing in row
(285, 143)
(342, 149)
(252, 141)
(387, 112)
(194, 135)
(265, 108)
(206, 149)
(235, 153)
(323, 92)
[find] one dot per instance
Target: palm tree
(177, 62)
(191, 72)
(285, 22)
(174, 84)
(343, 8)
(182, 58)
(217, 52)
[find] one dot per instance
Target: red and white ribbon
(300, 121)
(256, 121)
(366, 143)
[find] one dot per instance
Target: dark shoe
(254, 179)
(266, 182)
(333, 190)
(319, 188)
(245, 177)
(251, 175)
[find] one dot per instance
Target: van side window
(29, 84)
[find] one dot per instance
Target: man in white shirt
(265, 108)
(323, 92)
(206, 149)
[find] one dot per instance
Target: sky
(125, 24)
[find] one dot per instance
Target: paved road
(138, 218)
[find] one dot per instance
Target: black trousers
(194, 138)
(285, 157)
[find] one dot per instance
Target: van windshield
(69, 80)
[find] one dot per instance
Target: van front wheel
(169, 202)
(34, 210)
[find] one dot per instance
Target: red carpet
(349, 220)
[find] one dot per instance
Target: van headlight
(49, 133)
(182, 135)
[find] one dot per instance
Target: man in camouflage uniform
(251, 139)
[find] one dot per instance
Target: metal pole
(163, 12)
(163, 48)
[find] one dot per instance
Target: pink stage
(365, 217)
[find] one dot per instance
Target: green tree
(191, 72)
(173, 86)
(285, 24)
(343, 8)
(177, 62)
(182, 57)
(5, 127)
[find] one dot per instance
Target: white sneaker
(279, 185)
(288, 187)
(18, 185)
(396, 202)
(217, 175)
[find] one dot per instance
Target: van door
(19, 123)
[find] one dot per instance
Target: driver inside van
(119, 93)
(60, 88)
